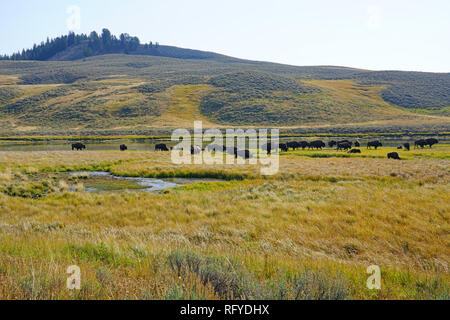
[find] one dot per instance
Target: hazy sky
(372, 34)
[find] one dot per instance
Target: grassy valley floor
(308, 232)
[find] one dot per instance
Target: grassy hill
(144, 94)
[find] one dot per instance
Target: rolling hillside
(153, 90)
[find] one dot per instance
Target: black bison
(123, 147)
(393, 155)
(407, 146)
(283, 147)
(161, 147)
(332, 143)
(375, 144)
(431, 142)
(343, 146)
(355, 151)
(357, 144)
(78, 146)
(419, 143)
(399, 147)
(425, 142)
(293, 145)
(303, 145)
(318, 144)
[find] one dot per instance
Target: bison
(374, 144)
(161, 147)
(419, 143)
(78, 146)
(283, 147)
(354, 151)
(357, 144)
(407, 146)
(332, 143)
(303, 144)
(343, 146)
(293, 145)
(318, 144)
(393, 155)
(431, 141)
(123, 147)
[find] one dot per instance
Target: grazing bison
(283, 147)
(161, 147)
(332, 143)
(407, 146)
(431, 141)
(393, 155)
(293, 145)
(355, 151)
(343, 146)
(318, 144)
(123, 147)
(374, 144)
(399, 148)
(78, 146)
(357, 144)
(304, 145)
(419, 143)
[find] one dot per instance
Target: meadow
(308, 232)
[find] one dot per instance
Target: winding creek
(97, 181)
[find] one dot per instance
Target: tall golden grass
(315, 226)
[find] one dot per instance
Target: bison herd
(345, 145)
(246, 154)
(425, 142)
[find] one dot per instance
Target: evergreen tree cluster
(96, 44)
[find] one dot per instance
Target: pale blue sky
(371, 34)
